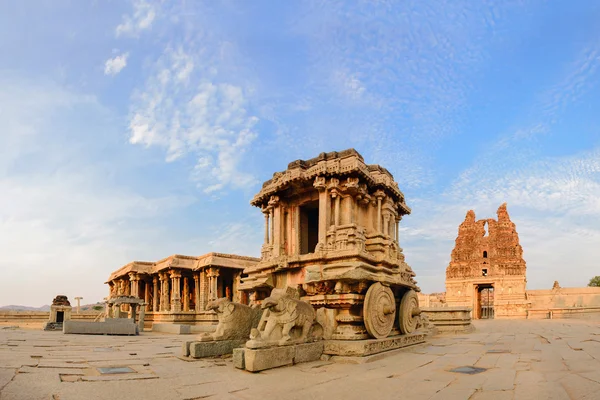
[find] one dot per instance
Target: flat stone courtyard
(504, 359)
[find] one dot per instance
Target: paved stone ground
(551, 359)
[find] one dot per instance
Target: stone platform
(523, 359)
(450, 319)
(362, 348)
(195, 349)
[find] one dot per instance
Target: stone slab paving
(549, 359)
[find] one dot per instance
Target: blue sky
(135, 130)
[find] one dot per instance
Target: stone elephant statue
(283, 316)
(235, 320)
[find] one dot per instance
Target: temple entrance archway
(60, 317)
(484, 301)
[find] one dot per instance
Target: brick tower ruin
(487, 269)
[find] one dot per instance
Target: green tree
(98, 308)
(595, 281)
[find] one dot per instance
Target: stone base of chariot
(363, 348)
(255, 360)
(195, 349)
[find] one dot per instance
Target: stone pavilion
(177, 289)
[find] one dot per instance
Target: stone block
(260, 359)
(212, 349)
(112, 326)
(272, 357)
(178, 329)
(239, 358)
(307, 352)
(185, 348)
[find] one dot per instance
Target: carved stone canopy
(61, 300)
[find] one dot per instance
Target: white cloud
(64, 224)
(183, 112)
(144, 13)
(554, 203)
(114, 65)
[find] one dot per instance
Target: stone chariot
(332, 231)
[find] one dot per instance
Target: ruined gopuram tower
(331, 230)
(487, 269)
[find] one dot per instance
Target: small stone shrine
(60, 311)
(332, 245)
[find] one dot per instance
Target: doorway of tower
(485, 301)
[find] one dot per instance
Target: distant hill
(25, 308)
(84, 307)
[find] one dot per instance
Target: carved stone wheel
(408, 312)
(379, 310)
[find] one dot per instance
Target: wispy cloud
(114, 65)
(144, 13)
(182, 110)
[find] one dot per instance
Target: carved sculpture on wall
(235, 320)
(285, 320)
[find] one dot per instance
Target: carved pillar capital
(320, 183)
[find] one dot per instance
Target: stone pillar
(320, 184)
(197, 304)
(186, 294)
(147, 295)
(336, 214)
(297, 234)
(78, 299)
(398, 229)
(204, 289)
(386, 224)
(272, 226)
(213, 274)
(266, 212)
(133, 284)
(155, 299)
(176, 291)
(379, 197)
(142, 317)
(276, 225)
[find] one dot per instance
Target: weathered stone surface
(214, 348)
(371, 346)
(482, 261)
(286, 320)
(179, 329)
(239, 358)
(112, 326)
(235, 320)
(267, 358)
(308, 352)
(450, 319)
(564, 361)
(272, 357)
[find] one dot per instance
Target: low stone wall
(182, 329)
(37, 319)
(450, 319)
(112, 326)
(564, 298)
(564, 313)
